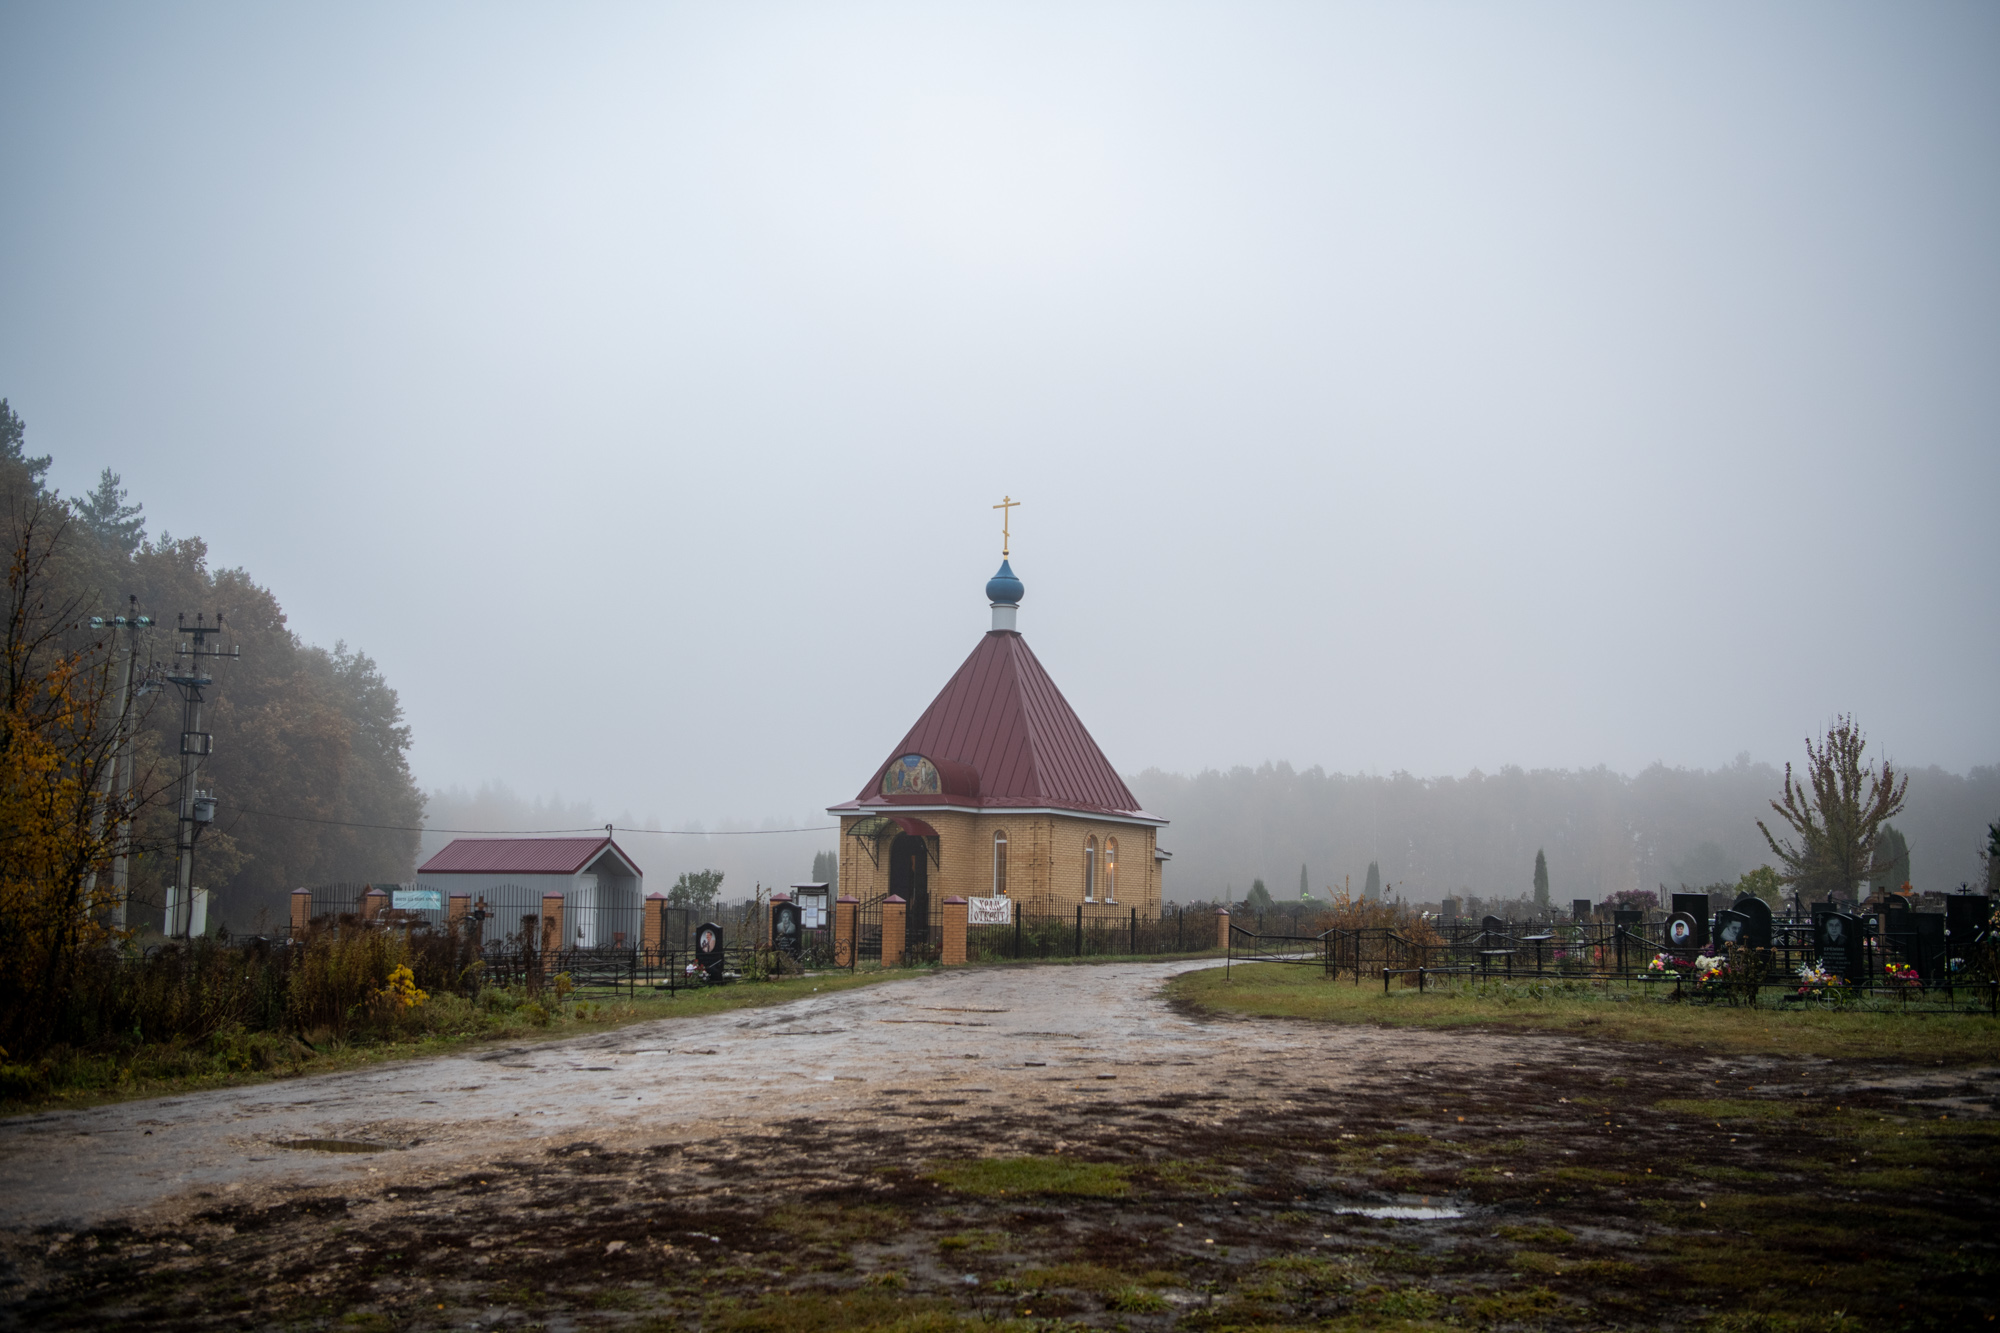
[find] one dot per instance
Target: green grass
(73, 1078)
(991, 1177)
(1274, 990)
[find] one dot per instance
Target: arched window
(1111, 870)
(1000, 863)
(1090, 869)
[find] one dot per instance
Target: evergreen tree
(13, 436)
(1891, 869)
(1371, 888)
(1259, 896)
(1541, 879)
(1305, 888)
(826, 867)
(1993, 858)
(105, 515)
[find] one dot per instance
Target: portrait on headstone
(708, 952)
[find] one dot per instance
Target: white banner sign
(989, 912)
(415, 900)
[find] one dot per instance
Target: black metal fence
(1091, 932)
(1637, 954)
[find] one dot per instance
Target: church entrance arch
(909, 879)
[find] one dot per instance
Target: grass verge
(67, 1077)
(1274, 990)
(990, 1177)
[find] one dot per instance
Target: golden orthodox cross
(1007, 504)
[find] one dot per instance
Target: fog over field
(1512, 396)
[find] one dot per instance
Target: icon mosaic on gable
(912, 775)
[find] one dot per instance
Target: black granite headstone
(1732, 929)
(1965, 920)
(1838, 939)
(1927, 949)
(1579, 909)
(1449, 907)
(1695, 905)
(708, 953)
(1759, 912)
(1684, 934)
(785, 920)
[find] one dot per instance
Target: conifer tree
(105, 515)
(1541, 879)
(1891, 869)
(1305, 888)
(1371, 888)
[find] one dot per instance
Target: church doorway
(909, 879)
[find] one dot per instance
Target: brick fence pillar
(1222, 927)
(302, 908)
(552, 923)
(845, 912)
(893, 936)
(372, 904)
(954, 931)
(653, 926)
(457, 907)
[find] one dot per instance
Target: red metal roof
(1003, 716)
(518, 856)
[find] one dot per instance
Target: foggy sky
(1389, 387)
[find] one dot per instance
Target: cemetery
(1885, 950)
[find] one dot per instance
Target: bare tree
(1836, 814)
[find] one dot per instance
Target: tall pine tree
(1541, 879)
(1371, 888)
(104, 515)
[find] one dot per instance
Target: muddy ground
(1143, 1168)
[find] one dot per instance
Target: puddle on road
(332, 1145)
(1404, 1214)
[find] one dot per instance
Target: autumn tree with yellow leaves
(59, 724)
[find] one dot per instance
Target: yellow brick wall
(1044, 861)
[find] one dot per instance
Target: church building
(999, 791)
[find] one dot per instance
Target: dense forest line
(309, 742)
(1602, 832)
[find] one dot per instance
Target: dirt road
(1026, 1142)
(992, 1040)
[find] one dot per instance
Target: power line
(595, 828)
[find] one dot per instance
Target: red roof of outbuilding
(519, 856)
(1001, 715)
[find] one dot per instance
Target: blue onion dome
(1004, 588)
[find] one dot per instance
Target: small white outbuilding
(602, 888)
